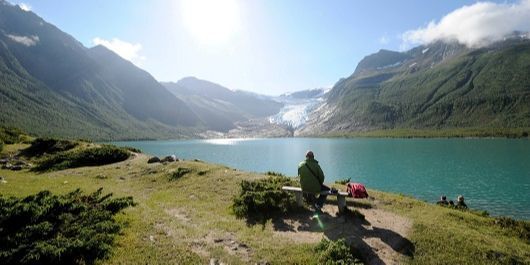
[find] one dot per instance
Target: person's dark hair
(444, 198)
(310, 154)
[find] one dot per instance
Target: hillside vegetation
(54, 86)
(437, 86)
(190, 220)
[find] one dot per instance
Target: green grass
(179, 221)
(442, 235)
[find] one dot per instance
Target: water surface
(492, 174)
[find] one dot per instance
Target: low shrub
(264, 197)
(180, 172)
(59, 229)
(10, 135)
(133, 149)
(95, 156)
(512, 227)
(1, 146)
(41, 146)
(335, 253)
(274, 173)
(342, 181)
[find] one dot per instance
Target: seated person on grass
(312, 179)
(460, 204)
(443, 201)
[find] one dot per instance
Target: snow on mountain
(297, 107)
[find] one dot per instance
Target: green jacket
(308, 181)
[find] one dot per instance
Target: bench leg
(341, 203)
(299, 199)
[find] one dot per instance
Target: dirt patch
(231, 245)
(227, 241)
(381, 238)
(179, 214)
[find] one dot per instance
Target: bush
(59, 229)
(343, 181)
(41, 146)
(263, 198)
(335, 253)
(520, 229)
(95, 156)
(1, 146)
(10, 135)
(180, 172)
(273, 173)
(133, 149)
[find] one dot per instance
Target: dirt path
(381, 237)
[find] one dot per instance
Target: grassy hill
(188, 220)
(433, 87)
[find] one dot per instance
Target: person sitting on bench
(312, 179)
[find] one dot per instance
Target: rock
(171, 158)
(19, 163)
(152, 238)
(153, 159)
(16, 167)
(4, 161)
(214, 261)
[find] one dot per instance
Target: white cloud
(24, 40)
(384, 40)
(25, 7)
(128, 51)
(475, 25)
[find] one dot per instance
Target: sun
(211, 21)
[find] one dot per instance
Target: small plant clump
(343, 181)
(264, 197)
(180, 172)
(274, 173)
(335, 253)
(11, 135)
(1, 146)
(513, 227)
(133, 149)
(95, 156)
(59, 229)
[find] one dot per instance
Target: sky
(273, 46)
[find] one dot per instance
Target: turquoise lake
(492, 174)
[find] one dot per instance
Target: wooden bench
(341, 196)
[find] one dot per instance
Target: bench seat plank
(341, 196)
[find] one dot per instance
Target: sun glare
(211, 21)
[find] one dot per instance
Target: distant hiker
(312, 179)
(443, 201)
(460, 204)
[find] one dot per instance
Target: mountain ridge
(440, 85)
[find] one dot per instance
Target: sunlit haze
(211, 22)
(273, 46)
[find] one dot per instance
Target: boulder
(171, 158)
(153, 159)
